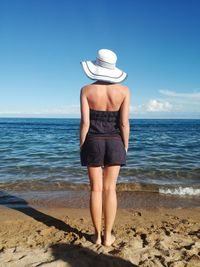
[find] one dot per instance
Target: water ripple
(160, 151)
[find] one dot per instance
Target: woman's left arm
(85, 118)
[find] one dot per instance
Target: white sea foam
(180, 191)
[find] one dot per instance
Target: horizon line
(178, 118)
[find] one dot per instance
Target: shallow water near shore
(43, 155)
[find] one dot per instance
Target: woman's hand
(81, 145)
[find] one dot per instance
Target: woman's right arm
(124, 119)
(85, 116)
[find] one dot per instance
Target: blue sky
(43, 41)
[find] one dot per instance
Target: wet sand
(80, 199)
(56, 231)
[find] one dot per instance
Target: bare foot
(109, 242)
(96, 240)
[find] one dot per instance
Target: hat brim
(96, 72)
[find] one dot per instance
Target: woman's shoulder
(115, 86)
(86, 87)
(123, 88)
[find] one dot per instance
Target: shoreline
(193, 189)
(80, 199)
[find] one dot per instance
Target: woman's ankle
(107, 235)
(96, 239)
(98, 234)
(108, 241)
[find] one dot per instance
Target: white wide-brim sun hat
(104, 67)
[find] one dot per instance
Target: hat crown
(104, 67)
(107, 56)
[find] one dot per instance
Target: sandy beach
(45, 234)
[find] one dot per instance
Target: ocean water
(163, 155)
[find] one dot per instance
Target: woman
(104, 136)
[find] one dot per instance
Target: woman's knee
(95, 175)
(96, 188)
(109, 187)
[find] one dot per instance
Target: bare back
(105, 96)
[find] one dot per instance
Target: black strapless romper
(103, 144)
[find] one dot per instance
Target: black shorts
(102, 151)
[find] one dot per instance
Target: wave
(182, 191)
(50, 186)
(46, 168)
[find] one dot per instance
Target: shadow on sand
(74, 255)
(77, 256)
(17, 203)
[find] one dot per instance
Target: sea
(43, 154)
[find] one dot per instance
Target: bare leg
(109, 201)
(96, 183)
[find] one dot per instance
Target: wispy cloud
(187, 102)
(193, 95)
(66, 110)
(137, 109)
(10, 112)
(156, 105)
(153, 105)
(71, 109)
